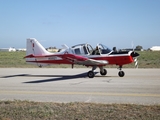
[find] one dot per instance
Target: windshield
(89, 48)
(104, 49)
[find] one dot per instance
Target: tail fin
(34, 48)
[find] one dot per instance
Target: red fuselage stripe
(118, 60)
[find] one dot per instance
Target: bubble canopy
(103, 49)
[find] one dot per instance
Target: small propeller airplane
(82, 54)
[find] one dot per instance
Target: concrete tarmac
(138, 86)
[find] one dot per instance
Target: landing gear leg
(91, 73)
(121, 73)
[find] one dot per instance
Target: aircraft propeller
(135, 55)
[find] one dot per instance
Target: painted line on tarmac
(80, 93)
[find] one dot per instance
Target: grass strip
(27, 110)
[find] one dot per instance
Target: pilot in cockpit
(96, 51)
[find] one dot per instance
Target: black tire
(91, 74)
(103, 73)
(121, 73)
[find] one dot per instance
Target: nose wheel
(121, 73)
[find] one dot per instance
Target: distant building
(131, 49)
(8, 49)
(52, 49)
(127, 49)
(155, 48)
(21, 49)
(139, 49)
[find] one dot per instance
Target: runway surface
(138, 86)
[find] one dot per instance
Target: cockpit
(104, 49)
(82, 49)
(87, 49)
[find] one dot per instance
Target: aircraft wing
(81, 60)
(92, 62)
(75, 59)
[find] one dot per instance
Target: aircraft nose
(134, 54)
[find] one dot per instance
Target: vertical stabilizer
(35, 48)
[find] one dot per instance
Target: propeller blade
(135, 60)
(136, 64)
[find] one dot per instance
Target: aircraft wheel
(121, 73)
(104, 72)
(91, 74)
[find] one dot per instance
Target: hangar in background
(155, 48)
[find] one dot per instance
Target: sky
(115, 23)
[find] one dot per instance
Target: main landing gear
(121, 73)
(91, 73)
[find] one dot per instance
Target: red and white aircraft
(82, 54)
